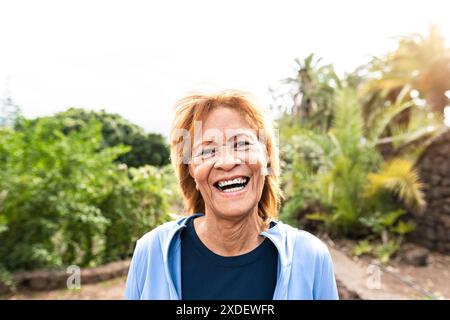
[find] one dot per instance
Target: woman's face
(229, 164)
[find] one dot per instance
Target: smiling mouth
(233, 185)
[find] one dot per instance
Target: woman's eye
(206, 153)
(242, 145)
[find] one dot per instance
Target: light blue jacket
(305, 269)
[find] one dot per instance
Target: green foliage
(135, 205)
(404, 227)
(145, 149)
(351, 160)
(303, 192)
(388, 231)
(171, 190)
(337, 175)
(398, 177)
(341, 179)
(7, 279)
(385, 250)
(382, 251)
(378, 222)
(363, 247)
(64, 200)
(303, 154)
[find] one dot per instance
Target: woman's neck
(230, 237)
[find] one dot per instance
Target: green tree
(311, 94)
(145, 148)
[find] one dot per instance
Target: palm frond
(399, 177)
(347, 129)
(385, 117)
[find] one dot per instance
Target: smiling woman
(230, 245)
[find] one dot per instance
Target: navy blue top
(208, 276)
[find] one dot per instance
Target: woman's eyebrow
(202, 143)
(244, 134)
(212, 141)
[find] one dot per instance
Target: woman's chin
(234, 210)
(234, 204)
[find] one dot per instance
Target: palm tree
(312, 93)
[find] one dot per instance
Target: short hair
(195, 107)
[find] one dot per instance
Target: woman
(229, 246)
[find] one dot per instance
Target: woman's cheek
(258, 163)
(201, 173)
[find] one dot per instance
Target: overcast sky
(136, 58)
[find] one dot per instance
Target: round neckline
(226, 261)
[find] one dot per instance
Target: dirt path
(397, 280)
(106, 290)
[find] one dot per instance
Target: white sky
(136, 58)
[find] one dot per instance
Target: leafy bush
(388, 232)
(64, 200)
(303, 194)
(136, 204)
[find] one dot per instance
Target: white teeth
(233, 189)
(228, 182)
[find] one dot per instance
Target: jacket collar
(278, 233)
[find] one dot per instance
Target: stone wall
(433, 225)
(41, 280)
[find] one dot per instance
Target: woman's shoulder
(163, 233)
(159, 233)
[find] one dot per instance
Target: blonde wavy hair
(195, 107)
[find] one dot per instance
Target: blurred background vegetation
(80, 187)
(349, 144)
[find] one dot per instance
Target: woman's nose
(227, 160)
